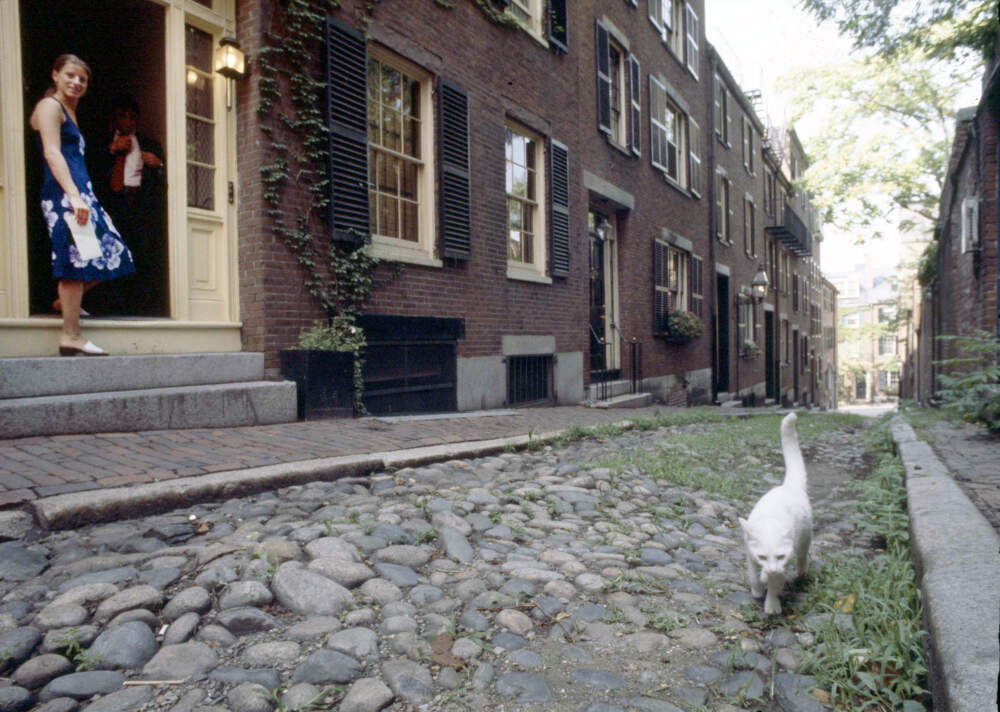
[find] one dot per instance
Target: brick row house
(960, 277)
(546, 184)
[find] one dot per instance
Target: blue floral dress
(115, 260)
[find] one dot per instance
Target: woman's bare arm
(48, 120)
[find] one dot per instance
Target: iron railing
(607, 382)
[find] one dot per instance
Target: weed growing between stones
(877, 661)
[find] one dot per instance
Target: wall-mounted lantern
(230, 61)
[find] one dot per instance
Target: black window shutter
(661, 297)
(635, 97)
(559, 208)
(558, 25)
(455, 175)
(603, 79)
(347, 121)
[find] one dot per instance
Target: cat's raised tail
(795, 466)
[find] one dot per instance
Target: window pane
(198, 49)
(408, 180)
(392, 130)
(388, 216)
(200, 141)
(513, 214)
(201, 187)
(392, 90)
(409, 229)
(199, 93)
(200, 131)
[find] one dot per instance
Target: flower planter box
(324, 382)
(677, 339)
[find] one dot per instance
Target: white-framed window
(768, 191)
(749, 227)
(697, 288)
(723, 118)
(749, 145)
(657, 124)
(673, 26)
(200, 107)
(970, 224)
(886, 345)
(693, 31)
(676, 125)
(694, 134)
(668, 134)
(745, 320)
(655, 13)
(400, 159)
(619, 93)
(671, 282)
(525, 186)
(723, 208)
(530, 13)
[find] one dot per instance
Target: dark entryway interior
(722, 334)
(770, 362)
(123, 42)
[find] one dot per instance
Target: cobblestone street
(574, 577)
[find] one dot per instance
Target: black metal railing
(604, 380)
(792, 231)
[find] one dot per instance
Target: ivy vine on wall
(291, 117)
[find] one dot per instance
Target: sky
(759, 40)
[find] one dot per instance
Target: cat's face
(768, 550)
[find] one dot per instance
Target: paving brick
(11, 497)
(66, 488)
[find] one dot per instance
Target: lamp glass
(230, 61)
(759, 284)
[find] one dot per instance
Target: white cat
(779, 525)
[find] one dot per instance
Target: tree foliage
(883, 137)
(943, 29)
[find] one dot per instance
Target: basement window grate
(529, 380)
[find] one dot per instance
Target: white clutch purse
(85, 238)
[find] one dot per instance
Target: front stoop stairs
(619, 396)
(50, 396)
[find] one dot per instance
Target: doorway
(123, 41)
(722, 334)
(605, 356)
(770, 362)
(796, 366)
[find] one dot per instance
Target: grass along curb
(876, 662)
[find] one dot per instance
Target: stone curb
(957, 557)
(75, 509)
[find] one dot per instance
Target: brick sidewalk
(44, 466)
(973, 456)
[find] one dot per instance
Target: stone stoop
(618, 396)
(628, 400)
(50, 396)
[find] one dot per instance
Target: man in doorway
(132, 188)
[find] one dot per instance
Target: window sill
(676, 186)
(386, 248)
(616, 145)
(523, 273)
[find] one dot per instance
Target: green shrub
(971, 388)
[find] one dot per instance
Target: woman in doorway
(86, 247)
